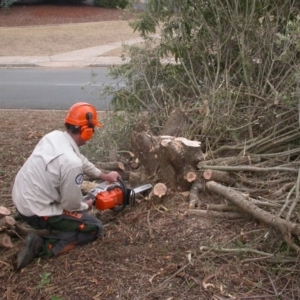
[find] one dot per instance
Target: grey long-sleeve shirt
(50, 180)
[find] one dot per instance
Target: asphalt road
(56, 89)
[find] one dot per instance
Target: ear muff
(87, 131)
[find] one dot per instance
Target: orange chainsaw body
(109, 199)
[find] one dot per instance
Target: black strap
(36, 222)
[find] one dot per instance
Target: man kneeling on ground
(47, 189)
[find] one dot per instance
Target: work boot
(31, 249)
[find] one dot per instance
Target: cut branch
(218, 176)
(216, 214)
(285, 227)
(232, 160)
(249, 169)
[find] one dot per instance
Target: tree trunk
(167, 159)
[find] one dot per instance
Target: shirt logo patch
(79, 179)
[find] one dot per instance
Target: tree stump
(167, 159)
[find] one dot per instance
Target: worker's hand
(110, 177)
(89, 202)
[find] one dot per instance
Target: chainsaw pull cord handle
(123, 186)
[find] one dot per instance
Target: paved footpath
(89, 57)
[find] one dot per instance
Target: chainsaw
(115, 196)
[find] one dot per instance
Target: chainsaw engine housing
(109, 199)
(115, 196)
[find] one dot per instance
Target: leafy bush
(220, 61)
(111, 3)
(6, 4)
(113, 136)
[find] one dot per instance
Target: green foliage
(45, 279)
(6, 4)
(225, 53)
(111, 3)
(145, 25)
(113, 136)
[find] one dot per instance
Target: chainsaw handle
(123, 185)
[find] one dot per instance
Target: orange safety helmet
(84, 116)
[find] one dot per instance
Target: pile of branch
(259, 183)
(258, 178)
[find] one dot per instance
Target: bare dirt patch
(129, 263)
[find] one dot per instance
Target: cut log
(5, 241)
(218, 176)
(251, 169)
(4, 211)
(229, 161)
(159, 189)
(191, 176)
(7, 222)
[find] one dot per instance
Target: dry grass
(49, 29)
(55, 39)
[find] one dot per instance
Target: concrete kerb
(109, 63)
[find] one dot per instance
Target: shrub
(111, 3)
(227, 59)
(6, 4)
